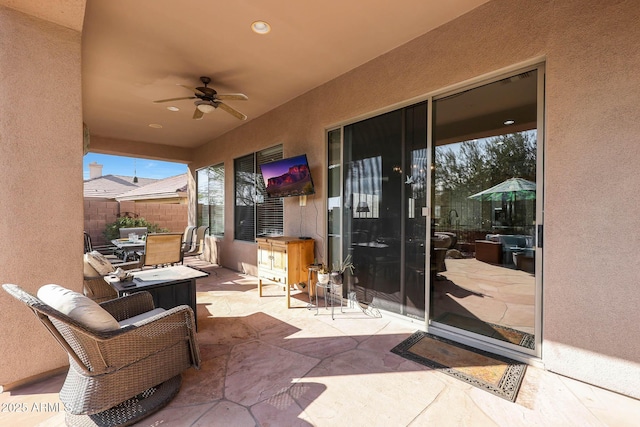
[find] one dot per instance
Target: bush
(112, 231)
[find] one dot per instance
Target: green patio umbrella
(508, 191)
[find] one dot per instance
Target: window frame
(215, 222)
(255, 214)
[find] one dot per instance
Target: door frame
(475, 340)
(516, 352)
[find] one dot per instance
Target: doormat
(490, 372)
(492, 330)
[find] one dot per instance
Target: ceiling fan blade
(197, 115)
(232, 97)
(174, 99)
(232, 111)
(192, 89)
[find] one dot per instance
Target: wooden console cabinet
(284, 260)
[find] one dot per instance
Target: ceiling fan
(207, 100)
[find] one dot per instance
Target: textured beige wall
(40, 181)
(591, 267)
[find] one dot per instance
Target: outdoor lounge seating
(501, 248)
(96, 267)
(125, 356)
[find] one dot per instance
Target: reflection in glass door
(484, 211)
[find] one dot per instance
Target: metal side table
(330, 291)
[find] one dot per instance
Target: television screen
(288, 177)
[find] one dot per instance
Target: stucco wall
(40, 181)
(592, 140)
(592, 265)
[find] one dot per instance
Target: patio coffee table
(169, 286)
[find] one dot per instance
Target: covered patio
(264, 364)
(586, 304)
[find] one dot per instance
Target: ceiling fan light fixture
(260, 27)
(205, 108)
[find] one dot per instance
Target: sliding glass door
(484, 198)
(440, 203)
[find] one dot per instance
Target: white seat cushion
(78, 307)
(140, 317)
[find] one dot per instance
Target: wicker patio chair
(117, 377)
(95, 287)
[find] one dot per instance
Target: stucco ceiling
(135, 52)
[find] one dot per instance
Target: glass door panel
(484, 195)
(372, 221)
(415, 199)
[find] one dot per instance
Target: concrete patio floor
(266, 365)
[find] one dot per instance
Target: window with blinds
(256, 214)
(210, 199)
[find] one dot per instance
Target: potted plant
(323, 274)
(340, 267)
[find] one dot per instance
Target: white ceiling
(138, 51)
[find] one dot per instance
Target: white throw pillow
(89, 272)
(78, 307)
(99, 263)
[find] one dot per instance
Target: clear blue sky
(143, 168)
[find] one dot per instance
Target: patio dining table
(128, 246)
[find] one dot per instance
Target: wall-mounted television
(288, 177)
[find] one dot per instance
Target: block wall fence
(99, 213)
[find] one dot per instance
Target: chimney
(95, 170)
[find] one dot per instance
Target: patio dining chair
(125, 356)
(188, 239)
(140, 231)
(198, 246)
(161, 249)
(109, 251)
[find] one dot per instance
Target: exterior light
(260, 27)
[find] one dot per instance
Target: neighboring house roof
(167, 188)
(110, 186)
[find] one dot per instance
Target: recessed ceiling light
(509, 122)
(155, 126)
(260, 27)
(172, 108)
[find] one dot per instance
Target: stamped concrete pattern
(266, 365)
